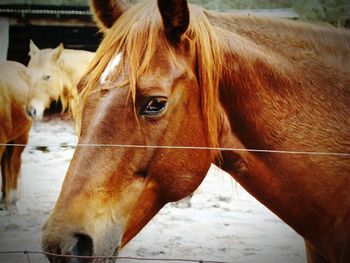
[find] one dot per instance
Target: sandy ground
(224, 223)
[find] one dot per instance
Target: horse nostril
(33, 112)
(83, 247)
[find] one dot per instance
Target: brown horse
(15, 125)
(171, 75)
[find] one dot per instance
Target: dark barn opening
(72, 37)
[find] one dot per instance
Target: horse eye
(154, 106)
(46, 77)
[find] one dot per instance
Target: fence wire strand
(116, 258)
(295, 152)
(27, 253)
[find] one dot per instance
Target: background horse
(54, 73)
(15, 125)
(176, 80)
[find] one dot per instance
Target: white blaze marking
(110, 68)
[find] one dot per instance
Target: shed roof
(45, 2)
(45, 9)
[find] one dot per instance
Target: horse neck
(274, 70)
(281, 35)
(270, 90)
(18, 79)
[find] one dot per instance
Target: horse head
(166, 85)
(46, 78)
(149, 109)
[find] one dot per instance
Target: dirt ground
(223, 223)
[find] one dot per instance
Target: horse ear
(56, 53)
(33, 49)
(106, 12)
(176, 18)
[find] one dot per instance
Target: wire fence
(39, 256)
(314, 152)
(28, 257)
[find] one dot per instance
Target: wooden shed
(48, 23)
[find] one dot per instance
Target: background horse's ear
(56, 53)
(176, 18)
(33, 49)
(106, 12)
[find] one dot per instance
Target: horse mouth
(115, 254)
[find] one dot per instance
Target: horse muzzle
(35, 113)
(77, 247)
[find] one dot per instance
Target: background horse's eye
(154, 106)
(46, 77)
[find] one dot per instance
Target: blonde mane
(136, 35)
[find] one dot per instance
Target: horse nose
(80, 245)
(31, 112)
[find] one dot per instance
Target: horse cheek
(147, 206)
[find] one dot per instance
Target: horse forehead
(158, 78)
(37, 73)
(161, 73)
(41, 59)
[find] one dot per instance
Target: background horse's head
(152, 83)
(47, 79)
